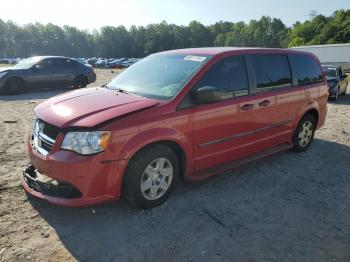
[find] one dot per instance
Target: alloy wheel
(305, 134)
(156, 178)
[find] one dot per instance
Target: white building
(337, 53)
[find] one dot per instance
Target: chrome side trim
(273, 126)
(247, 133)
(224, 139)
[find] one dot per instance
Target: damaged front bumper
(66, 178)
(47, 186)
(57, 191)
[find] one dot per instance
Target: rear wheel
(151, 176)
(13, 86)
(80, 82)
(304, 133)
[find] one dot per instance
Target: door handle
(247, 106)
(264, 103)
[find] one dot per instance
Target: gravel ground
(288, 207)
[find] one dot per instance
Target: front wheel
(304, 133)
(151, 176)
(13, 86)
(80, 82)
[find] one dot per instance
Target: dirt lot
(289, 207)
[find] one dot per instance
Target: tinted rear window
(305, 69)
(271, 71)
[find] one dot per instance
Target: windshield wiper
(122, 91)
(119, 90)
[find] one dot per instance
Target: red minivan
(177, 115)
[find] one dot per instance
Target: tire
(13, 86)
(145, 183)
(80, 82)
(304, 133)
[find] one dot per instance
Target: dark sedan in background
(43, 72)
(337, 80)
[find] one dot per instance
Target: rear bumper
(91, 179)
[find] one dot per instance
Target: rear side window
(229, 75)
(305, 69)
(48, 64)
(68, 63)
(53, 63)
(72, 63)
(271, 71)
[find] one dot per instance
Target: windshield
(159, 76)
(27, 63)
(330, 71)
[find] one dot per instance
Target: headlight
(86, 143)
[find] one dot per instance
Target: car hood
(4, 69)
(89, 107)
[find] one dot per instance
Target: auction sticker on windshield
(195, 58)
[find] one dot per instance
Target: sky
(92, 14)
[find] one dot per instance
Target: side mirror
(206, 95)
(342, 77)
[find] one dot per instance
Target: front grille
(45, 145)
(50, 130)
(44, 136)
(49, 187)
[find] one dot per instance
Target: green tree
(200, 36)
(110, 41)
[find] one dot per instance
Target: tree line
(139, 41)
